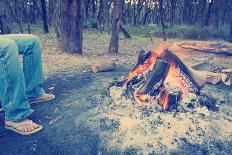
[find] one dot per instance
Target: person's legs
(12, 89)
(30, 47)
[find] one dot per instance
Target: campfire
(160, 77)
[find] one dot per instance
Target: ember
(160, 77)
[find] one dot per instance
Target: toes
(27, 128)
(35, 126)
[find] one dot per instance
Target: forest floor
(86, 119)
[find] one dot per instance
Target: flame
(161, 49)
(163, 100)
(141, 99)
(142, 68)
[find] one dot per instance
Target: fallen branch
(201, 62)
(125, 33)
(214, 51)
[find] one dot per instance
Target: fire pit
(160, 77)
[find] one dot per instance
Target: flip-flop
(33, 101)
(24, 133)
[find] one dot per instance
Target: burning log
(103, 67)
(161, 77)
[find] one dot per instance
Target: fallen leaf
(54, 120)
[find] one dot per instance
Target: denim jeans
(18, 84)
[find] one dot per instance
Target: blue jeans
(18, 84)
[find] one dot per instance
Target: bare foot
(24, 127)
(42, 98)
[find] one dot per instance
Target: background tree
(161, 11)
(44, 15)
(3, 27)
(106, 16)
(114, 42)
(71, 26)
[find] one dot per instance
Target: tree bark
(3, 28)
(114, 42)
(161, 10)
(71, 38)
(51, 12)
(208, 13)
(44, 15)
(100, 16)
(172, 12)
(202, 5)
(230, 37)
(106, 17)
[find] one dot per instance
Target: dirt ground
(86, 119)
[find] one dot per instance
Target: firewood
(103, 67)
(202, 62)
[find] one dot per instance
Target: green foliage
(181, 32)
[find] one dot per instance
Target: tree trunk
(202, 5)
(19, 15)
(188, 12)
(114, 42)
(106, 17)
(71, 26)
(172, 13)
(44, 15)
(161, 10)
(93, 9)
(230, 37)
(86, 9)
(99, 16)
(3, 28)
(51, 12)
(208, 13)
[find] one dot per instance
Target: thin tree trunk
(44, 16)
(106, 17)
(114, 42)
(100, 16)
(208, 13)
(51, 12)
(161, 10)
(3, 27)
(230, 37)
(202, 4)
(172, 13)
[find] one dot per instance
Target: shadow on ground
(75, 94)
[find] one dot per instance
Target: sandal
(42, 98)
(25, 124)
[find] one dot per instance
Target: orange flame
(142, 68)
(163, 100)
(141, 99)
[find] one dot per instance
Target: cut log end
(96, 68)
